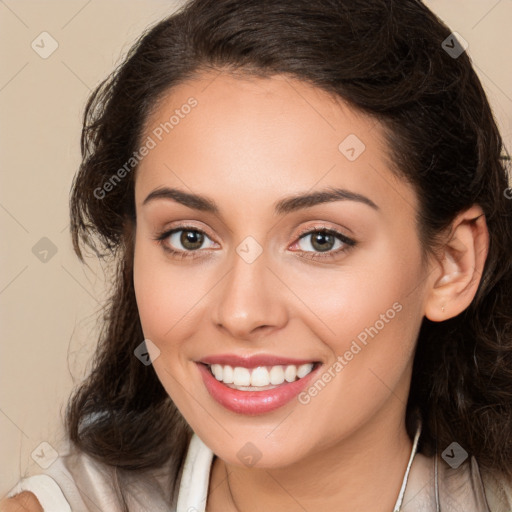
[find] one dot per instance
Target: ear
(459, 266)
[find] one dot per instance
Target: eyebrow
(281, 207)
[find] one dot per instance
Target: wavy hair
(385, 58)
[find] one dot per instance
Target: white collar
(193, 491)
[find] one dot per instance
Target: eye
(187, 242)
(323, 243)
(184, 240)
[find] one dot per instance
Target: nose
(251, 300)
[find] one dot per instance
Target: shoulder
(25, 501)
(37, 493)
(473, 487)
(498, 490)
(460, 487)
(77, 481)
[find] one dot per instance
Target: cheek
(155, 293)
(379, 290)
(169, 296)
(373, 331)
(369, 316)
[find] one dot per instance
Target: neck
(362, 472)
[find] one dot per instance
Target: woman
(307, 205)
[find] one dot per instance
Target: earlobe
(459, 267)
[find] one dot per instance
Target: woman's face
(250, 171)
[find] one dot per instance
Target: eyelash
(348, 242)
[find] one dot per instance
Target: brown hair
(384, 57)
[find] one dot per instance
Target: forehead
(267, 134)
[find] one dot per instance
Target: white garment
(193, 490)
(76, 482)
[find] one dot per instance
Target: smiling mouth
(260, 378)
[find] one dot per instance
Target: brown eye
(323, 244)
(322, 241)
(184, 240)
(191, 240)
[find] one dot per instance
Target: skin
(24, 501)
(249, 143)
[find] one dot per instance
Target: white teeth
(217, 371)
(304, 369)
(241, 376)
(260, 377)
(290, 374)
(227, 377)
(276, 375)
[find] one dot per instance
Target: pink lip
(253, 402)
(253, 361)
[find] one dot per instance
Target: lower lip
(253, 402)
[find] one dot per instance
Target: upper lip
(253, 361)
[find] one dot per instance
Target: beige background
(48, 308)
